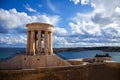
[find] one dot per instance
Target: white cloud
(60, 31)
(85, 28)
(52, 7)
(93, 5)
(76, 29)
(83, 2)
(75, 1)
(100, 19)
(81, 17)
(117, 9)
(28, 7)
(11, 40)
(108, 6)
(48, 19)
(111, 31)
(59, 40)
(101, 27)
(106, 15)
(81, 24)
(10, 19)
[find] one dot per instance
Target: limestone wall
(27, 62)
(43, 61)
(108, 71)
(75, 62)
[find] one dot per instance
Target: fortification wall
(108, 71)
(27, 62)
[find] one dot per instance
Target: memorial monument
(36, 32)
(37, 55)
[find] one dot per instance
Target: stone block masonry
(108, 71)
(29, 62)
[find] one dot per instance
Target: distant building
(102, 58)
(98, 59)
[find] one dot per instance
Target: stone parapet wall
(75, 62)
(108, 71)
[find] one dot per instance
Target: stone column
(39, 42)
(28, 42)
(50, 43)
(32, 49)
(35, 43)
(46, 42)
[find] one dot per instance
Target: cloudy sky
(78, 23)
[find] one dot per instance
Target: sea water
(6, 53)
(88, 54)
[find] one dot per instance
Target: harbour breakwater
(104, 71)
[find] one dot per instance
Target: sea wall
(106, 71)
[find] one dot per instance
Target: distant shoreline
(76, 49)
(106, 49)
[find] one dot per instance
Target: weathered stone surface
(34, 38)
(28, 62)
(108, 71)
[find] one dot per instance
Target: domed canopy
(40, 26)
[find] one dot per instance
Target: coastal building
(102, 58)
(99, 58)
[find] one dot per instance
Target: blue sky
(78, 23)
